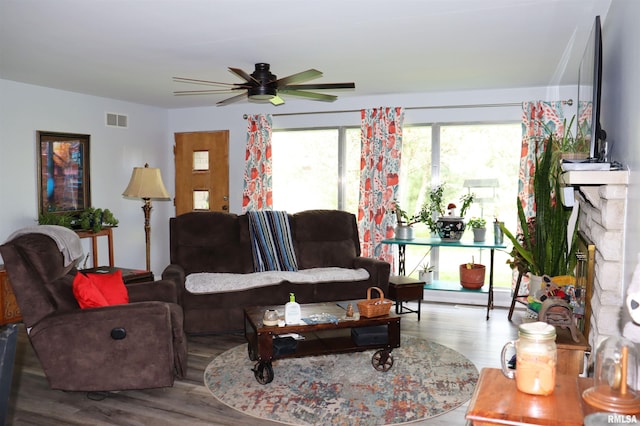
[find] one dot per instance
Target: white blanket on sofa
(216, 282)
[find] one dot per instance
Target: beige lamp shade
(146, 183)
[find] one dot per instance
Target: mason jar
(536, 357)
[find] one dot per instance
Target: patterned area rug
(426, 380)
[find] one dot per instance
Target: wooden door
(202, 171)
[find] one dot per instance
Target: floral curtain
(538, 118)
(257, 192)
(381, 145)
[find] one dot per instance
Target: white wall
(25, 109)
(620, 109)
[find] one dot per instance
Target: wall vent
(117, 120)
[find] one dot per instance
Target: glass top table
(438, 242)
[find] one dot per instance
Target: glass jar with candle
(536, 357)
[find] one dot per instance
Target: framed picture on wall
(63, 172)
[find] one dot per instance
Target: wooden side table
(571, 355)
(9, 310)
(106, 231)
(404, 289)
(497, 401)
(129, 276)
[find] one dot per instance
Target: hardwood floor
(188, 402)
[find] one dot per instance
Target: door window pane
(201, 160)
(200, 200)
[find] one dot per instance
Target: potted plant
(479, 227)
(403, 229)
(472, 275)
(425, 273)
(445, 222)
(93, 219)
(568, 147)
(545, 244)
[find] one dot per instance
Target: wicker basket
(374, 307)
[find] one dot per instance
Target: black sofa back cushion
(210, 242)
(324, 238)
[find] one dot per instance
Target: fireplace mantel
(595, 177)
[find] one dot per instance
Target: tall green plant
(542, 247)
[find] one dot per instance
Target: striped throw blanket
(271, 243)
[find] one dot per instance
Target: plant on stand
(445, 222)
(425, 273)
(479, 227)
(403, 230)
(547, 242)
(472, 275)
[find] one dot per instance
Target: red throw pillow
(86, 292)
(112, 287)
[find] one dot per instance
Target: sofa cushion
(210, 242)
(96, 290)
(325, 238)
(205, 283)
(111, 286)
(87, 293)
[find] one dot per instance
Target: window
(319, 169)
(316, 169)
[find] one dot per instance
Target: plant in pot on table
(479, 227)
(447, 223)
(472, 275)
(426, 273)
(404, 229)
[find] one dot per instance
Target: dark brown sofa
(220, 242)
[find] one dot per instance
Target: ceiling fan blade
(299, 77)
(202, 92)
(319, 86)
(204, 82)
(310, 95)
(232, 99)
(276, 100)
(242, 74)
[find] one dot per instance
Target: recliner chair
(137, 345)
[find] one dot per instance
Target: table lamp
(146, 183)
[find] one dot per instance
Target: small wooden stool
(404, 289)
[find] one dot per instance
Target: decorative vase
(426, 276)
(472, 278)
(450, 228)
(479, 234)
(404, 232)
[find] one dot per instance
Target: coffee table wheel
(263, 372)
(382, 360)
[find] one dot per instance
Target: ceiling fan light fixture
(262, 93)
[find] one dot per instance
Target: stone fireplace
(602, 197)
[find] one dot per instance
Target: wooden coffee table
(319, 338)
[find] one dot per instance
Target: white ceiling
(131, 49)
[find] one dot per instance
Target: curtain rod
(509, 104)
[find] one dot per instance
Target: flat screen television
(589, 92)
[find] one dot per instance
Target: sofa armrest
(161, 291)
(175, 273)
(378, 271)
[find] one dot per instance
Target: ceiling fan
(262, 86)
